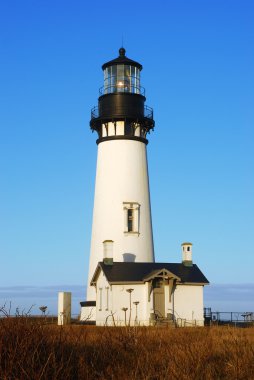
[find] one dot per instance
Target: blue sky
(198, 64)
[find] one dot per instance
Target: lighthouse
(122, 269)
(122, 223)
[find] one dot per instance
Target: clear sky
(198, 61)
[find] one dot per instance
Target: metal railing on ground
(228, 317)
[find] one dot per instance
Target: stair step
(165, 322)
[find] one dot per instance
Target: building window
(188, 249)
(107, 289)
(100, 294)
(131, 217)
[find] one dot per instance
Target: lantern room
(122, 75)
(121, 111)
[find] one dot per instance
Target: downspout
(173, 303)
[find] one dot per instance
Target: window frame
(107, 297)
(134, 207)
(100, 299)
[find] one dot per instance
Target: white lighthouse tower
(122, 211)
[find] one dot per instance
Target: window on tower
(131, 217)
(128, 129)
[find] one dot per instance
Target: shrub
(32, 349)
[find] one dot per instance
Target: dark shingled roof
(136, 272)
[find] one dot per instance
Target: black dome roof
(122, 60)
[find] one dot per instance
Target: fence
(228, 317)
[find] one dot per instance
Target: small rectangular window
(130, 214)
(107, 289)
(131, 217)
(128, 129)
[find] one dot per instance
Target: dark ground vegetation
(31, 349)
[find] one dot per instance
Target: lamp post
(136, 304)
(125, 309)
(43, 310)
(130, 291)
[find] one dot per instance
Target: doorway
(159, 297)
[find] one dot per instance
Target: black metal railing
(116, 88)
(148, 112)
(95, 112)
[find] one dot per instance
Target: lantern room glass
(122, 78)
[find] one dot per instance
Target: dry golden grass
(32, 350)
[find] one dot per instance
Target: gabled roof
(121, 272)
(162, 272)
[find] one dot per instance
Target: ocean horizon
(28, 299)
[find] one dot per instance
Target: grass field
(33, 350)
